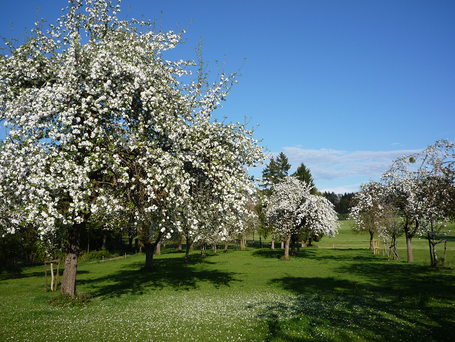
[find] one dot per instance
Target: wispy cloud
(336, 164)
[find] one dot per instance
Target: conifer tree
(303, 174)
(283, 165)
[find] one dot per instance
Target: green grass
(335, 291)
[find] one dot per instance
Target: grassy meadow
(336, 290)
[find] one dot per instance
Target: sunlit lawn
(335, 291)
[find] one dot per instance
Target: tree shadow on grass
(167, 273)
(320, 254)
(407, 279)
(269, 253)
(20, 273)
(396, 302)
(17, 273)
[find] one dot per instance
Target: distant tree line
(341, 202)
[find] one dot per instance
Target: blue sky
(342, 86)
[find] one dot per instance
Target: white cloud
(336, 164)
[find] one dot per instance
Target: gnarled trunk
(286, 248)
(409, 248)
(149, 249)
(371, 240)
(72, 255)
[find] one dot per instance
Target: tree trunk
(188, 246)
(371, 240)
(310, 240)
(226, 245)
(158, 248)
(273, 244)
(286, 248)
(395, 249)
(282, 244)
(243, 242)
(431, 252)
(72, 255)
(203, 251)
(149, 249)
(435, 257)
(293, 238)
(409, 248)
(214, 248)
(179, 248)
(409, 235)
(103, 247)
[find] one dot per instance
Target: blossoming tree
(371, 213)
(99, 121)
(420, 186)
(291, 210)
